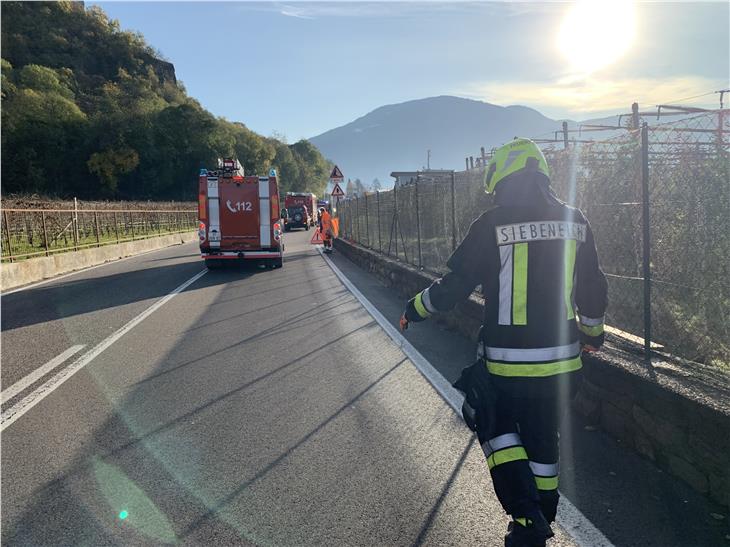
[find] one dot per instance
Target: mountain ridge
(397, 136)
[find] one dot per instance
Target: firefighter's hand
(590, 344)
(403, 323)
(410, 314)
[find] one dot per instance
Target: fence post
(635, 116)
(377, 202)
(453, 212)
(395, 219)
(7, 235)
(645, 220)
(418, 229)
(96, 223)
(45, 231)
(565, 135)
(367, 223)
(357, 215)
(75, 222)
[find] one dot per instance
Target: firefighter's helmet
(515, 156)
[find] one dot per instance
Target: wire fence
(657, 197)
(29, 233)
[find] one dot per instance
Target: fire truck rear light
(201, 231)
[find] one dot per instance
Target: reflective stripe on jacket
(542, 284)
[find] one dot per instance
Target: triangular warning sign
(336, 173)
(337, 191)
(317, 238)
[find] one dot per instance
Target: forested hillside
(91, 111)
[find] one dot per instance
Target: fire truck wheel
(276, 263)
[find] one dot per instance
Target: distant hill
(396, 137)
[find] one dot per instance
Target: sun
(596, 33)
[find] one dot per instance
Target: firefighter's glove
(480, 399)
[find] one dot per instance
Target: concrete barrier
(23, 272)
(675, 413)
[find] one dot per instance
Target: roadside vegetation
(92, 111)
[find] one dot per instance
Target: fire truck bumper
(252, 255)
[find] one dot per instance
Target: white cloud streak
(591, 95)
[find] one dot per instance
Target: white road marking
(11, 415)
(39, 373)
(570, 518)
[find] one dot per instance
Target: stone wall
(676, 414)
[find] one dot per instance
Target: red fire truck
(239, 216)
(301, 210)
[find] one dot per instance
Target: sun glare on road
(596, 33)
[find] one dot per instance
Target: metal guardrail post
(45, 231)
(453, 211)
(7, 235)
(645, 220)
(418, 229)
(96, 223)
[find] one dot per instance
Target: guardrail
(28, 233)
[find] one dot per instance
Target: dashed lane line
(15, 412)
(570, 518)
(39, 373)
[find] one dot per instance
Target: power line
(690, 98)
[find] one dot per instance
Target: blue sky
(301, 68)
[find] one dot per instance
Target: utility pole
(428, 159)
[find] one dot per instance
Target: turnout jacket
(545, 293)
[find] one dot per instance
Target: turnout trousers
(522, 453)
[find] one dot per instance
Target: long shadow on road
(135, 461)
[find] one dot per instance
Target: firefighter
(325, 228)
(545, 295)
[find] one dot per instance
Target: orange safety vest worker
(326, 228)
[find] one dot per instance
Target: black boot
(531, 530)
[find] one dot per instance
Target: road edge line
(15, 412)
(570, 518)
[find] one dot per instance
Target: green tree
(93, 111)
(108, 165)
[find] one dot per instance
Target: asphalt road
(256, 407)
